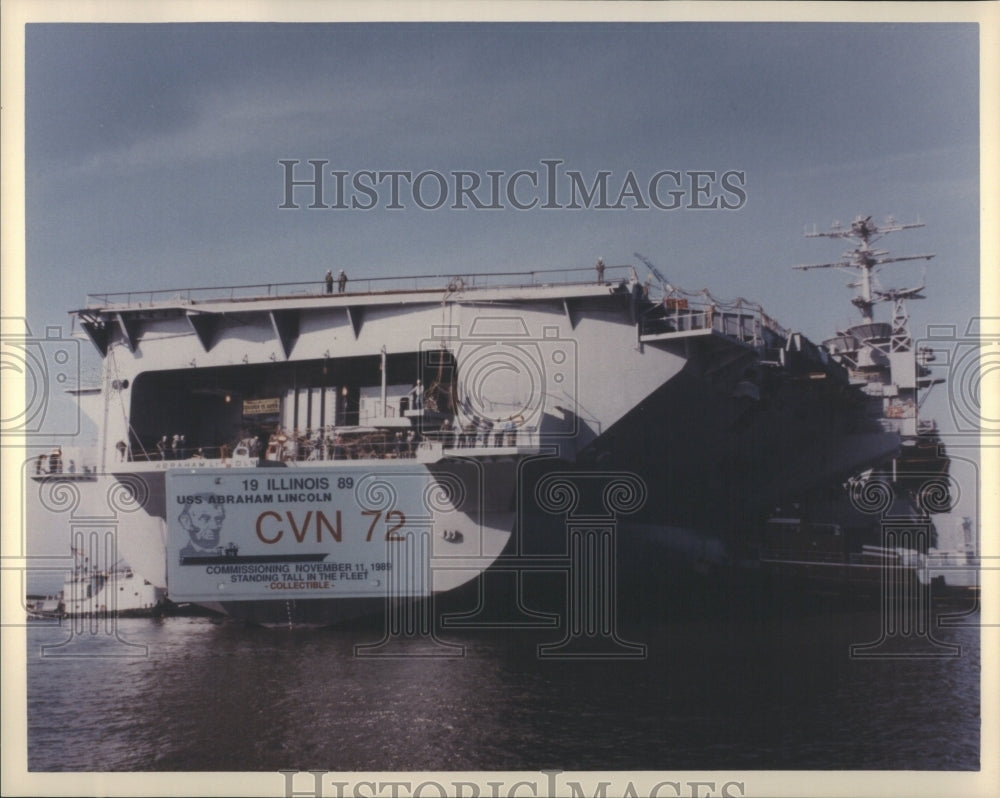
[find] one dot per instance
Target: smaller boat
(43, 607)
(117, 591)
(954, 574)
(823, 557)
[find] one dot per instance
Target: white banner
(296, 533)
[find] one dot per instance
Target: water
(715, 690)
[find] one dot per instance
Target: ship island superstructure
(285, 440)
(835, 536)
(880, 356)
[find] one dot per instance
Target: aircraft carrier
(300, 452)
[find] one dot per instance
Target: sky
(152, 153)
(153, 156)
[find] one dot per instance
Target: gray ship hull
(708, 414)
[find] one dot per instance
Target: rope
(128, 424)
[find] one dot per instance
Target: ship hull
(403, 531)
(692, 419)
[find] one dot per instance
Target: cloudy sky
(153, 154)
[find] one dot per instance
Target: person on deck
(418, 396)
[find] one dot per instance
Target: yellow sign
(259, 407)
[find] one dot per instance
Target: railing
(356, 286)
(353, 450)
(482, 438)
(801, 555)
(154, 455)
(351, 446)
(743, 324)
(46, 466)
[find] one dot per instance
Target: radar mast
(864, 262)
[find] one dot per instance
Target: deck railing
(450, 442)
(747, 324)
(358, 286)
(383, 445)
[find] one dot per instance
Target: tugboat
(90, 591)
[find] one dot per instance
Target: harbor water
(813, 689)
